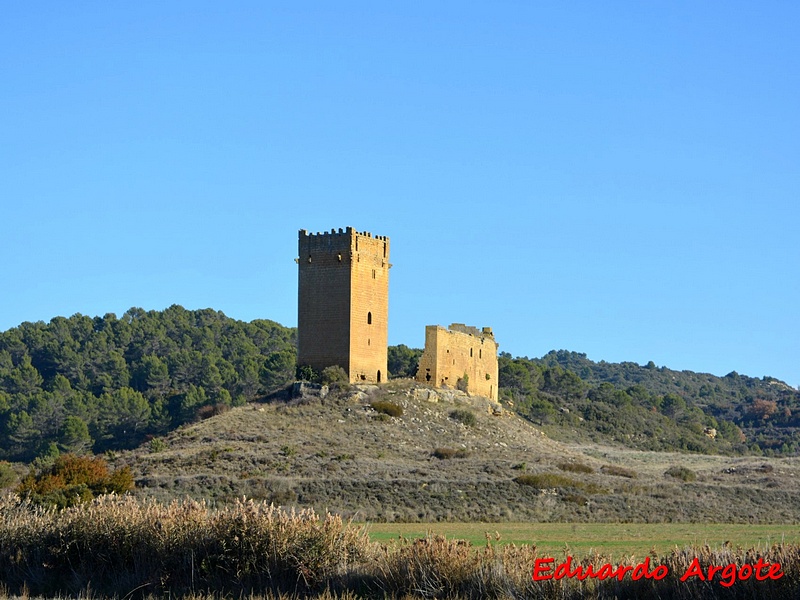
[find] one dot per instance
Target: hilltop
(196, 404)
(432, 462)
(111, 383)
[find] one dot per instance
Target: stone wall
(369, 308)
(460, 357)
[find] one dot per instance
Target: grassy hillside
(339, 453)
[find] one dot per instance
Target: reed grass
(123, 548)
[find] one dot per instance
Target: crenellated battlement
(470, 330)
(347, 231)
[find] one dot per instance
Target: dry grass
(575, 467)
(118, 544)
(336, 454)
(122, 547)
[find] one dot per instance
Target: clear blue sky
(615, 178)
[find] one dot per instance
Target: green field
(616, 539)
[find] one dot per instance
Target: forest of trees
(646, 406)
(83, 384)
(653, 408)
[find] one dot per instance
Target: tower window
(470, 352)
(369, 318)
(373, 273)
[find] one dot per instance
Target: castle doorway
(379, 376)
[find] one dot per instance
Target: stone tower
(343, 302)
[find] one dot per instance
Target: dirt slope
(337, 453)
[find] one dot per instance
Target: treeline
(81, 383)
(654, 408)
(766, 410)
(647, 407)
(630, 414)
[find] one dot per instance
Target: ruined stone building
(343, 302)
(460, 357)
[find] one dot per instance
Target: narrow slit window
(369, 318)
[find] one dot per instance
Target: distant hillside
(656, 407)
(645, 407)
(102, 383)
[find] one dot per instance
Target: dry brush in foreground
(122, 547)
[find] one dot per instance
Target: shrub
(306, 373)
(7, 474)
(288, 450)
(74, 479)
(211, 410)
(157, 445)
(463, 383)
(575, 467)
(618, 471)
(466, 417)
(334, 374)
(682, 473)
(446, 453)
(387, 408)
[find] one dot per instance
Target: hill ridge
(109, 383)
(338, 453)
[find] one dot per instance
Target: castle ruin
(460, 357)
(343, 317)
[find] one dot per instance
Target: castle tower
(343, 302)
